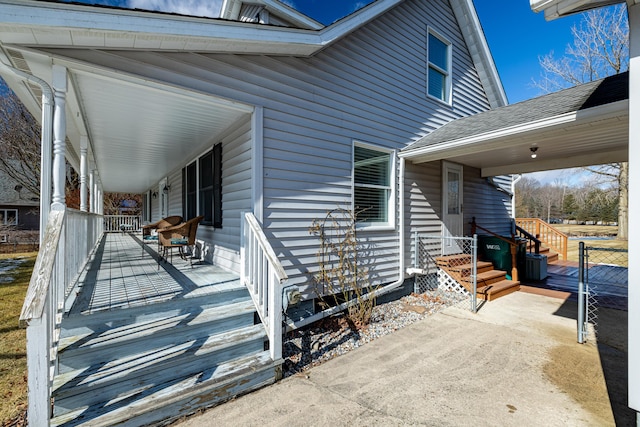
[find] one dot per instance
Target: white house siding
(369, 86)
(492, 208)
(221, 246)
(423, 203)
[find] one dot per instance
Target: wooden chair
(147, 237)
(179, 236)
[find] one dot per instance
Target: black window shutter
(217, 186)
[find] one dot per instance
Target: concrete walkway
(515, 363)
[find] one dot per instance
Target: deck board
(121, 275)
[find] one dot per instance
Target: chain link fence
(447, 264)
(602, 282)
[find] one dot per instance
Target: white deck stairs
(150, 364)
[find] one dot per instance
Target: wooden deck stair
(154, 363)
(491, 283)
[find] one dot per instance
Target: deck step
(89, 348)
(168, 401)
(498, 289)
(139, 372)
(489, 277)
(78, 324)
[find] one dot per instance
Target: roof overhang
(593, 136)
(554, 9)
(42, 24)
(231, 10)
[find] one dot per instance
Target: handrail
(546, 233)
(122, 223)
(513, 246)
(69, 239)
(529, 237)
(264, 276)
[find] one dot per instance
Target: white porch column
(84, 142)
(634, 207)
(92, 191)
(59, 81)
(46, 144)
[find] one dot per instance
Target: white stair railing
(69, 239)
(263, 275)
(122, 223)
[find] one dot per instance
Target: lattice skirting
(447, 283)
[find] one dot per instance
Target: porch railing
(69, 238)
(122, 223)
(263, 275)
(555, 239)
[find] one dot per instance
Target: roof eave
(231, 10)
(209, 35)
(442, 150)
(554, 9)
(474, 36)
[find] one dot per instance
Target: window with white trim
(372, 185)
(8, 217)
(439, 67)
(202, 188)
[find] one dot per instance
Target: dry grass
(13, 361)
(591, 231)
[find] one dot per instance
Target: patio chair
(147, 237)
(181, 236)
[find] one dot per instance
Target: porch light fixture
(166, 189)
(533, 152)
(154, 194)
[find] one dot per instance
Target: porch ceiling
(582, 126)
(139, 134)
(138, 130)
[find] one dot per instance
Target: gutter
(290, 325)
(46, 142)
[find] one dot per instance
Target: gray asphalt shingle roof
(588, 95)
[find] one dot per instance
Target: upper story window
(372, 185)
(439, 71)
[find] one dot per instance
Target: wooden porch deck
(563, 277)
(147, 342)
(122, 274)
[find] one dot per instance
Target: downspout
(514, 181)
(382, 290)
(45, 142)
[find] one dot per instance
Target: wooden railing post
(514, 266)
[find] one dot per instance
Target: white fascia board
(471, 28)
(554, 9)
(470, 144)
(213, 34)
(290, 14)
(231, 10)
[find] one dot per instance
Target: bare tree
(600, 48)
(19, 142)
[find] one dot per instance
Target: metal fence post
(581, 294)
(474, 273)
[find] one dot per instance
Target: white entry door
(452, 215)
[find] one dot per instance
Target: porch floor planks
(121, 276)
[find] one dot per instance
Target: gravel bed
(334, 336)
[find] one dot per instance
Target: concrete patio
(515, 363)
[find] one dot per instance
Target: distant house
(19, 212)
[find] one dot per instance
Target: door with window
(452, 215)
